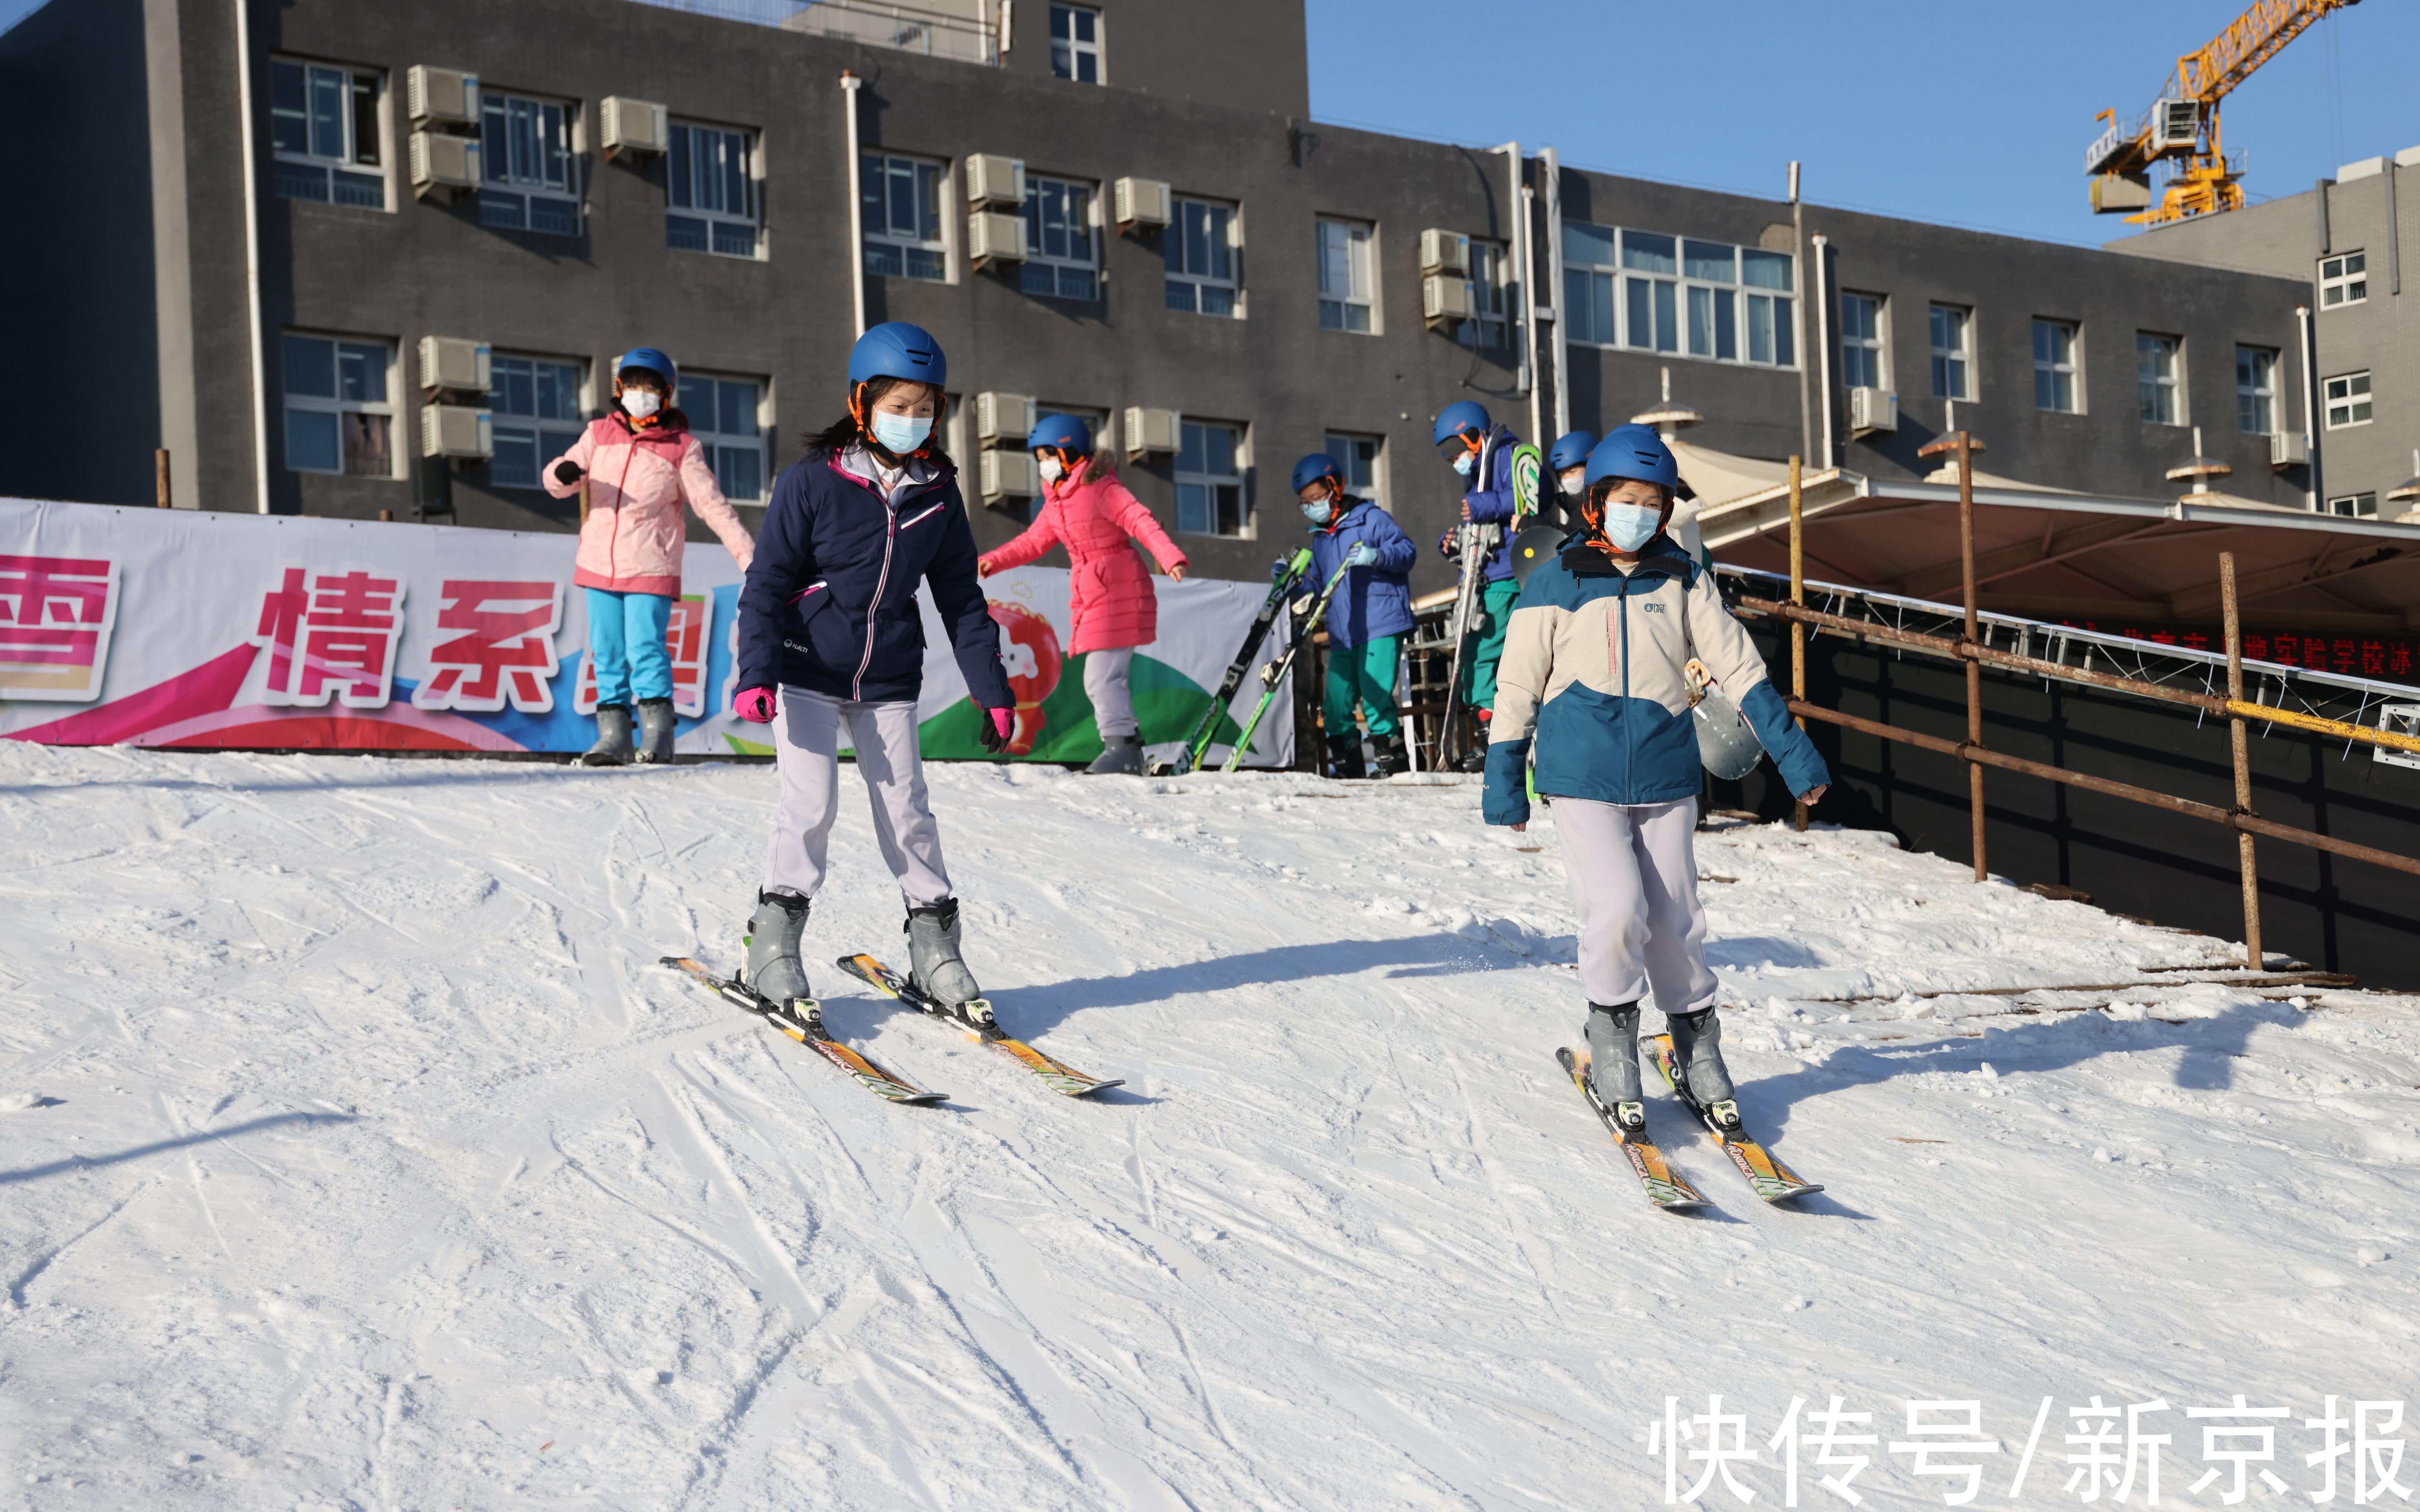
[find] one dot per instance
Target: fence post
(2240, 738)
(1797, 596)
(160, 476)
(1973, 668)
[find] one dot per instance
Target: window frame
(2363, 399)
(925, 171)
(1198, 287)
(2350, 282)
(1077, 51)
(1492, 306)
(2056, 367)
(1341, 445)
(497, 155)
(349, 161)
(1957, 358)
(2255, 393)
(1647, 297)
(536, 425)
(386, 407)
(1364, 267)
(1875, 343)
(679, 165)
(1239, 457)
(2362, 505)
(717, 440)
(2152, 384)
(1037, 257)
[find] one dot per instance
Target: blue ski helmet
(1061, 433)
(897, 349)
(1571, 450)
(1634, 452)
(1455, 419)
(1316, 465)
(653, 361)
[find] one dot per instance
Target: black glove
(567, 470)
(988, 730)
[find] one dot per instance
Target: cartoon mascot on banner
(1034, 661)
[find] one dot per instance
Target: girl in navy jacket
(830, 636)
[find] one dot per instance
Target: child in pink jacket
(641, 465)
(1086, 509)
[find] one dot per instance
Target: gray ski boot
(935, 966)
(1613, 1061)
(613, 748)
(1119, 754)
(774, 970)
(1697, 1053)
(655, 723)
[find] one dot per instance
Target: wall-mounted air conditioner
(443, 161)
(448, 97)
(456, 430)
(1141, 202)
(992, 180)
(2113, 193)
(1872, 409)
(2174, 123)
(1444, 299)
(1003, 417)
(1152, 431)
(995, 235)
(627, 125)
(2286, 451)
(1008, 476)
(1444, 252)
(453, 363)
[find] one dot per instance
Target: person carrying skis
(1593, 672)
(1366, 619)
(1483, 451)
(829, 617)
(1086, 509)
(641, 465)
(1567, 464)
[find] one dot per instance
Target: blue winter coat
(1374, 600)
(1491, 501)
(829, 604)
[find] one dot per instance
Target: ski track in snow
(377, 1165)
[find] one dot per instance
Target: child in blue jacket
(829, 617)
(1368, 617)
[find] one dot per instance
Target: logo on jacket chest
(1651, 606)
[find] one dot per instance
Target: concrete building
(369, 233)
(2342, 239)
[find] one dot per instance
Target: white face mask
(1051, 470)
(1463, 463)
(1574, 481)
(901, 434)
(640, 403)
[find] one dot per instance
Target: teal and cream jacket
(1593, 674)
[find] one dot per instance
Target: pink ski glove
(755, 705)
(995, 729)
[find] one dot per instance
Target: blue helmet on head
(1570, 451)
(1316, 465)
(653, 361)
(897, 349)
(1634, 452)
(1456, 418)
(1062, 433)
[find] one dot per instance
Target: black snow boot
(1392, 758)
(613, 748)
(1345, 756)
(1120, 754)
(774, 969)
(935, 965)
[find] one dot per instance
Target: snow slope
(374, 1163)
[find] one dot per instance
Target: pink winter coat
(1092, 515)
(637, 483)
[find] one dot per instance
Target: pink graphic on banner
(505, 650)
(55, 615)
(685, 639)
(207, 689)
(339, 636)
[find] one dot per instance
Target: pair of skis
(1197, 746)
(1273, 676)
(1666, 1187)
(974, 1017)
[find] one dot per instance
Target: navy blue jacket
(1490, 499)
(829, 604)
(1374, 600)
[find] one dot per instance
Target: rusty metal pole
(1797, 596)
(160, 476)
(1973, 669)
(2239, 735)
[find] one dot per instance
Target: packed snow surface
(358, 1153)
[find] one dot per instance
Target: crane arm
(2252, 39)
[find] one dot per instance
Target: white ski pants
(806, 731)
(1105, 684)
(1634, 876)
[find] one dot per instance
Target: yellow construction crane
(2182, 125)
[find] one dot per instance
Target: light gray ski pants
(806, 731)
(1105, 684)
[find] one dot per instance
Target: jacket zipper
(1630, 743)
(613, 540)
(889, 535)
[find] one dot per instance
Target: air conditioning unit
(2174, 123)
(1141, 202)
(446, 96)
(994, 235)
(1444, 252)
(1150, 431)
(2113, 193)
(456, 430)
(627, 125)
(443, 161)
(1444, 299)
(1003, 417)
(1872, 409)
(992, 180)
(452, 363)
(2286, 451)
(1008, 476)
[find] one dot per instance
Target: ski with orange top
(1769, 1178)
(975, 1017)
(805, 1025)
(1663, 1186)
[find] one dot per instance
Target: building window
(1490, 325)
(338, 418)
(1861, 341)
(725, 416)
(2055, 367)
(537, 415)
(2255, 390)
(323, 127)
(1772, 316)
(1651, 304)
(1345, 286)
(1357, 459)
(1711, 268)
(532, 183)
(1060, 259)
(2354, 505)
(903, 218)
(1201, 255)
(713, 192)
(2155, 378)
(2347, 400)
(1209, 480)
(1076, 44)
(2344, 280)
(1588, 278)
(1953, 357)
